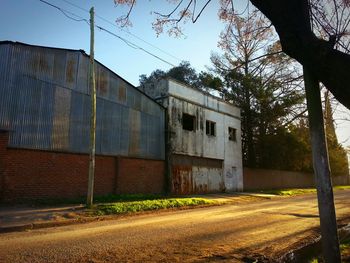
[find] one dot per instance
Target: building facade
(203, 139)
(45, 119)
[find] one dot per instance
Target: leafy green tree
(184, 73)
(154, 77)
(289, 149)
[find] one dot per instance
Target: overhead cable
(78, 18)
(121, 29)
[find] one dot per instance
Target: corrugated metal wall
(45, 104)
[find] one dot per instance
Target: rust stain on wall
(39, 64)
(135, 127)
(196, 175)
(122, 92)
(182, 179)
(102, 84)
(70, 70)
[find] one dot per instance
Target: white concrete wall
(183, 99)
(207, 179)
(185, 92)
(233, 166)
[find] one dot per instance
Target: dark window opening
(188, 122)
(210, 128)
(232, 134)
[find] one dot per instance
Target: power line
(81, 19)
(125, 31)
(66, 12)
(132, 45)
(72, 4)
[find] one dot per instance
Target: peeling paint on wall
(214, 144)
(196, 175)
(182, 179)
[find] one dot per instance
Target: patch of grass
(297, 191)
(288, 192)
(126, 198)
(146, 205)
(341, 187)
(345, 245)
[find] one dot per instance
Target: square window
(188, 122)
(232, 134)
(210, 128)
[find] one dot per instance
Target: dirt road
(229, 233)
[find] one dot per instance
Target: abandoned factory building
(45, 123)
(172, 138)
(204, 139)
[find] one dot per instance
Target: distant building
(203, 139)
(45, 120)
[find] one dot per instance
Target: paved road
(228, 233)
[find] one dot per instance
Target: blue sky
(31, 21)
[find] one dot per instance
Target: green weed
(288, 192)
(146, 205)
(296, 191)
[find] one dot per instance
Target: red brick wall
(3, 145)
(32, 174)
(254, 179)
(140, 176)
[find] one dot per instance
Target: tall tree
(260, 80)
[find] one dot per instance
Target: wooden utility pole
(330, 241)
(90, 194)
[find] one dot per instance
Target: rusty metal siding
(102, 82)
(110, 141)
(32, 118)
(59, 68)
(135, 128)
(61, 116)
(71, 69)
(45, 117)
(182, 179)
(113, 89)
(192, 174)
(45, 104)
(79, 122)
(130, 98)
(125, 131)
(5, 67)
(83, 75)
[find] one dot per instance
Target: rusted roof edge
(85, 54)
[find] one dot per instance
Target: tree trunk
(251, 156)
(291, 20)
(330, 242)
